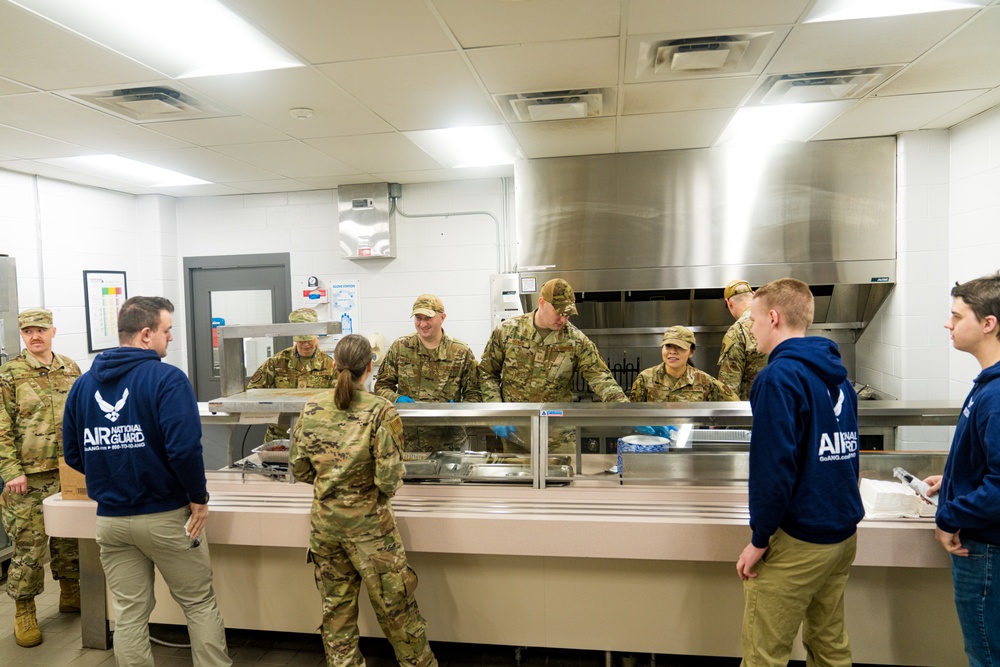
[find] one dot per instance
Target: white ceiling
(378, 68)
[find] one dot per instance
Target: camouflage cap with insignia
(559, 293)
(427, 305)
(302, 315)
(35, 317)
(736, 287)
(681, 337)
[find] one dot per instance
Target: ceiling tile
(439, 175)
(323, 32)
(8, 87)
(520, 68)
(203, 163)
(947, 66)
(884, 41)
(329, 182)
(40, 54)
(278, 185)
(478, 23)
(268, 96)
(48, 114)
(966, 111)
(881, 116)
(218, 131)
(380, 152)
(287, 158)
(644, 98)
(566, 137)
(669, 131)
(649, 16)
(417, 92)
(20, 144)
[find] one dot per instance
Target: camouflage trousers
(434, 438)
(562, 440)
(24, 523)
(381, 564)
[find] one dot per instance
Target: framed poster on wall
(104, 293)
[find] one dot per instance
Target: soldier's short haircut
(981, 295)
(792, 299)
(141, 312)
(352, 355)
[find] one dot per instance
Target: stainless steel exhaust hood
(649, 240)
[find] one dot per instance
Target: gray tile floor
(61, 646)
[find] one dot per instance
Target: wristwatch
(201, 501)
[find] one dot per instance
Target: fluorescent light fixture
(843, 10)
(181, 38)
(775, 123)
(459, 147)
(125, 170)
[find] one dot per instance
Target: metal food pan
(421, 468)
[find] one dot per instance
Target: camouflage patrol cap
(559, 293)
(427, 305)
(302, 315)
(737, 287)
(35, 317)
(681, 337)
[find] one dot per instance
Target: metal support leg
(94, 625)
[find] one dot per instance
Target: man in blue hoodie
(804, 499)
(968, 514)
(131, 425)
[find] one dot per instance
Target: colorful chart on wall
(104, 292)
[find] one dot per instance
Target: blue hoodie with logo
(970, 490)
(131, 425)
(804, 445)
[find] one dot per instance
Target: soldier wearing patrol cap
(429, 366)
(302, 366)
(33, 390)
(739, 360)
(532, 358)
(676, 380)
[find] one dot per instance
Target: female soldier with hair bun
(347, 443)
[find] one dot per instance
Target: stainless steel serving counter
(593, 564)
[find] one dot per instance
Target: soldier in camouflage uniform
(739, 360)
(676, 380)
(532, 358)
(302, 366)
(430, 366)
(348, 444)
(33, 388)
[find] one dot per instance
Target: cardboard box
(73, 483)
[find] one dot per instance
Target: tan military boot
(26, 632)
(69, 596)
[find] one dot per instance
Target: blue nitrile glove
(662, 431)
(503, 431)
(405, 399)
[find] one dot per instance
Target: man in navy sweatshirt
(804, 499)
(968, 514)
(131, 425)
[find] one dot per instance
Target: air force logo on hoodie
(109, 438)
(838, 445)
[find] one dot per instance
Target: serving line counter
(602, 562)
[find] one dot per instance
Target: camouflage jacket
(518, 366)
(33, 398)
(286, 371)
(654, 386)
(739, 360)
(353, 460)
(447, 373)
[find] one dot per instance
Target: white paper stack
(889, 500)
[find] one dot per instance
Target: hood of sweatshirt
(111, 365)
(819, 354)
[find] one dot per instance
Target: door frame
(281, 260)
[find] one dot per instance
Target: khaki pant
(798, 583)
(25, 524)
(130, 547)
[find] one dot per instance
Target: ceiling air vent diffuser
(557, 105)
(819, 86)
(147, 104)
(674, 57)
